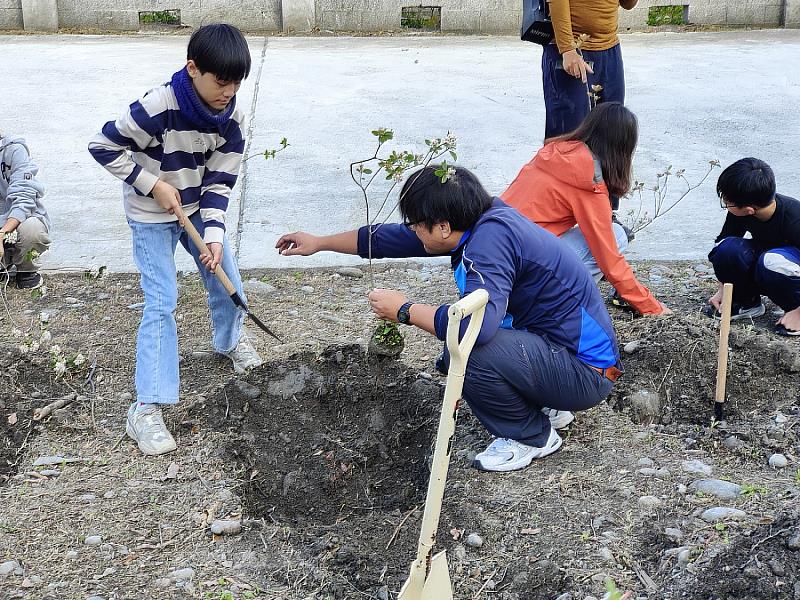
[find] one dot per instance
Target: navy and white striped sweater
(169, 134)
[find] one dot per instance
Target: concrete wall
(469, 16)
(123, 15)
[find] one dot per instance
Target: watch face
(403, 316)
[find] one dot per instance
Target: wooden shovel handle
(201, 246)
(724, 331)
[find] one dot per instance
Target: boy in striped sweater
(178, 150)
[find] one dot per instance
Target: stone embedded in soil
(631, 347)
(8, 567)
(645, 407)
(254, 286)
(226, 527)
(673, 534)
(307, 289)
(684, 556)
(696, 467)
(793, 543)
(48, 461)
(474, 540)
(353, 272)
(778, 461)
(382, 593)
(93, 540)
(650, 502)
(732, 442)
(248, 390)
(753, 572)
(723, 513)
(72, 554)
(185, 574)
(606, 555)
(565, 597)
(645, 462)
(725, 490)
(777, 568)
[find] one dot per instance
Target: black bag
(536, 24)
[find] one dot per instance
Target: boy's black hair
(460, 201)
(747, 182)
(220, 49)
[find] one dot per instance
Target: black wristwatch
(403, 314)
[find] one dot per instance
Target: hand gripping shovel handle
(722, 355)
(223, 277)
(429, 578)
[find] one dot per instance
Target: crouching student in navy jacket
(767, 264)
(546, 346)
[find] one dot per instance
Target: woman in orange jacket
(571, 181)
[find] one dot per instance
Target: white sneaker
(146, 426)
(504, 454)
(559, 419)
(244, 356)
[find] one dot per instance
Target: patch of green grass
(162, 17)
(666, 15)
(424, 18)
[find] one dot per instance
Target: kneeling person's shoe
(29, 281)
(738, 310)
(559, 419)
(146, 426)
(244, 356)
(504, 454)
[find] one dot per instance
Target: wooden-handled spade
(223, 278)
(722, 356)
(429, 577)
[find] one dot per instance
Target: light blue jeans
(157, 378)
(575, 240)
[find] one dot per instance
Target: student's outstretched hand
(212, 261)
(298, 243)
(716, 300)
(169, 199)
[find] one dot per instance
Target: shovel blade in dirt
(223, 278)
(436, 586)
(429, 578)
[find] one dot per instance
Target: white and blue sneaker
(504, 454)
(244, 357)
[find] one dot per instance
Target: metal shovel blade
(436, 586)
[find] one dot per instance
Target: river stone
(631, 347)
(474, 540)
(8, 567)
(723, 513)
(650, 502)
(726, 490)
(93, 540)
(353, 272)
(248, 390)
(778, 461)
(645, 407)
(696, 467)
(254, 286)
(793, 543)
(182, 574)
(674, 534)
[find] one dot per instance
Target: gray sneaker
(559, 419)
(146, 426)
(244, 356)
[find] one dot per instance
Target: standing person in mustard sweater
(569, 188)
(565, 72)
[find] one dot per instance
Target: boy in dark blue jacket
(546, 346)
(769, 262)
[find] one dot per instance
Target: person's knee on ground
(734, 260)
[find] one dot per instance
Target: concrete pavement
(698, 96)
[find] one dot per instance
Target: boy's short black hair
(461, 200)
(747, 182)
(220, 49)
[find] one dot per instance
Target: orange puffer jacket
(561, 187)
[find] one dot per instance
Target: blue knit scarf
(193, 107)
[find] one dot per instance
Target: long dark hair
(610, 131)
